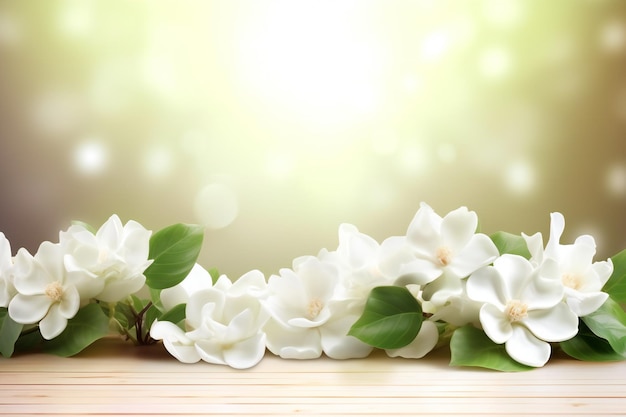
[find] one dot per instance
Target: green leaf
(616, 285)
(174, 250)
(175, 315)
(609, 322)
(89, 325)
(215, 275)
(87, 226)
(470, 346)
(9, 333)
(391, 319)
(509, 243)
(586, 346)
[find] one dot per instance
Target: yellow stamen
(516, 310)
(54, 291)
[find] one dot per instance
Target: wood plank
(115, 378)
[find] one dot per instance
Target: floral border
(501, 302)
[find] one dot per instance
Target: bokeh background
(272, 122)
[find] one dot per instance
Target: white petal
(250, 283)
(240, 327)
(458, 227)
(535, 247)
(50, 257)
(479, 251)
(246, 353)
(110, 233)
(5, 252)
(421, 271)
(119, 289)
(543, 288)
(184, 353)
(495, 324)
(584, 303)
(357, 248)
(556, 324)
(70, 303)
(487, 286)
(210, 352)
(29, 309)
(337, 344)
(136, 243)
(319, 279)
(161, 330)
(514, 271)
(30, 277)
(557, 225)
(424, 232)
(603, 270)
(526, 349)
(197, 302)
(290, 343)
(53, 324)
(423, 343)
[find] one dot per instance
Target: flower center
(516, 310)
(314, 308)
(572, 281)
(443, 255)
(54, 291)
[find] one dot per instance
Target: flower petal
(337, 344)
(246, 353)
(495, 323)
(210, 352)
(70, 303)
(30, 277)
(458, 227)
(556, 324)
(29, 309)
(479, 251)
(293, 343)
(53, 323)
(110, 232)
(526, 349)
(487, 286)
(118, 289)
(603, 269)
(424, 342)
(514, 271)
(440, 290)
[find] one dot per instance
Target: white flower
(438, 251)
(307, 318)
(115, 258)
(45, 293)
(224, 324)
(523, 308)
(198, 279)
(582, 278)
(7, 289)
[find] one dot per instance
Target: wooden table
(115, 378)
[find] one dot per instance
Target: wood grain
(115, 378)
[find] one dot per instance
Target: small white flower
(224, 324)
(582, 278)
(307, 318)
(438, 252)
(115, 258)
(7, 289)
(45, 293)
(523, 307)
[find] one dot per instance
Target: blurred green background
(272, 122)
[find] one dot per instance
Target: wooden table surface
(115, 378)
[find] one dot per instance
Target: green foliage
(391, 319)
(587, 346)
(175, 315)
(470, 346)
(616, 285)
(9, 332)
(215, 275)
(89, 325)
(174, 251)
(609, 322)
(509, 243)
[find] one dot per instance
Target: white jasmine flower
(523, 307)
(582, 278)
(45, 293)
(436, 248)
(224, 324)
(7, 289)
(115, 258)
(198, 279)
(306, 317)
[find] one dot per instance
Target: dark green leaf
(391, 319)
(175, 315)
(174, 250)
(470, 346)
(9, 333)
(609, 322)
(509, 243)
(586, 346)
(89, 325)
(616, 285)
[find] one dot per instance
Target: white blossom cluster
(49, 287)
(457, 274)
